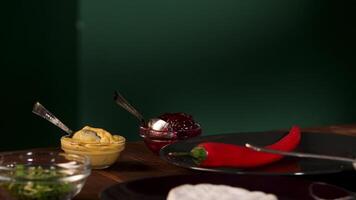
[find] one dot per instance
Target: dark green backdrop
(38, 63)
(234, 65)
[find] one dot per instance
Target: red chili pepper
(216, 154)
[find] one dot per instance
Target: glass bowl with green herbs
(42, 175)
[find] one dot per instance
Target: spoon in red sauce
(156, 124)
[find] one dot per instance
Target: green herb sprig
(33, 184)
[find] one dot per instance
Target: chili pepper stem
(198, 154)
(179, 153)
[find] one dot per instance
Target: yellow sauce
(102, 147)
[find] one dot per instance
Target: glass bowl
(101, 156)
(40, 175)
(155, 140)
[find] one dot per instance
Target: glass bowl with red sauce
(181, 126)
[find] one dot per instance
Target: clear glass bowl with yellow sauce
(102, 148)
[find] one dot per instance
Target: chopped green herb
(34, 185)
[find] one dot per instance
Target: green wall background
(38, 63)
(234, 65)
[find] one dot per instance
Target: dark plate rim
(163, 153)
(202, 177)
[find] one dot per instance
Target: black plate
(283, 187)
(321, 143)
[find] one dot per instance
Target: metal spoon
(41, 111)
(121, 101)
(158, 124)
(154, 123)
(303, 155)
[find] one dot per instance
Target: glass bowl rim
(79, 174)
(171, 136)
(146, 128)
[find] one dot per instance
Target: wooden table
(138, 162)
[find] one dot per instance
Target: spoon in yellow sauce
(41, 111)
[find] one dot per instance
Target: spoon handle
(121, 101)
(41, 111)
(302, 155)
